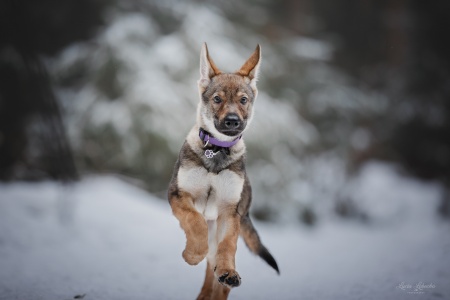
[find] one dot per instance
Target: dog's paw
(228, 277)
(194, 257)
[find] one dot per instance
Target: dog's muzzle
(231, 125)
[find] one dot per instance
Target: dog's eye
(217, 99)
(244, 100)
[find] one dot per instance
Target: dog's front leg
(228, 224)
(194, 225)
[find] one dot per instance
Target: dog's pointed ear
(250, 68)
(208, 68)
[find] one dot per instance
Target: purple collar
(209, 139)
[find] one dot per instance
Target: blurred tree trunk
(33, 142)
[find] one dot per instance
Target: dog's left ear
(250, 68)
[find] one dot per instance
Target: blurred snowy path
(109, 240)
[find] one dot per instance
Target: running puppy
(209, 192)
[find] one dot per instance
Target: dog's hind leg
(193, 224)
(207, 288)
(212, 289)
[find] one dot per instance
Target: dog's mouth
(230, 132)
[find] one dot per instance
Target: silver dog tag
(210, 154)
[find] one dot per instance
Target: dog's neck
(213, 145)
(214, 158)
(208, 139)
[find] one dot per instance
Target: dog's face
(226, 104)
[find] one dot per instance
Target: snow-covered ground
(106, 239)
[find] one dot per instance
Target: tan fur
(248, 68)
(212, 289)
(211, 196)
(195, 227)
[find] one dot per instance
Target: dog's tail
(253, 242)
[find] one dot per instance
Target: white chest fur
(211, 192)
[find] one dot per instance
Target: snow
(109, 240)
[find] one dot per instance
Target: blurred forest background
(110, 87)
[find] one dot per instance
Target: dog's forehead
(230, 84)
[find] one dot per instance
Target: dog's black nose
(232, 121)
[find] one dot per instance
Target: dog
(210, 193)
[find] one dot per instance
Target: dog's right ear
(208, 68)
